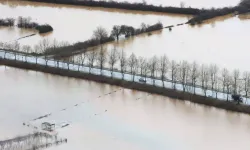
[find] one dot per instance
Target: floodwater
(74, 23)
(221, 41)
(189, 3)
(122, 120)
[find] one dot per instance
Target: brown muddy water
(74, 23)
(149, 123)
(221, 41)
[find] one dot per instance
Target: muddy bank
(231, 106)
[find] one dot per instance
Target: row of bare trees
(190, 76)
(7, 22)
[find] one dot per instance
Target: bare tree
(16, 47)
(100, 33)
(204, 79)
(213, 72)
(91, 56)
(246, 77)
(164, 66)
(36, 49)
(145, 69)
(79, 62)
(142, 64)
(116, 32)
(153, 66)
(236, 75)
(194, 75)
(101, 58)
(184, 72)
(10, 21)
(123, 62)
(83, 56)
(229, 83)
(43, 46)
(69, 61)
(112, 59)
(223, 78)
(174, 71)
(132, 63)
(27, 50)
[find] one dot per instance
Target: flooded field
(223, 41)
(123, 120)
(73, 23)
(103, 117)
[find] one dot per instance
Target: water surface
(152, 122)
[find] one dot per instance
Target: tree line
(199, 14)
(25, 22)
(101, 36)
(242, 7)
(126, 5)
(8, 22)
(190, 75)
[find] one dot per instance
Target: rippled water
(152, 122)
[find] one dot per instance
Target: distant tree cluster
(25, 22)
(101, 36)
(126, 5)
(242, 7)
(211, 13)
(9, 22)
(128, 31)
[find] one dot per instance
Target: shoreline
(179, 95)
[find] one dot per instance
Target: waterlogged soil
(123, 120)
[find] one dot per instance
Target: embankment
(231, 106)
